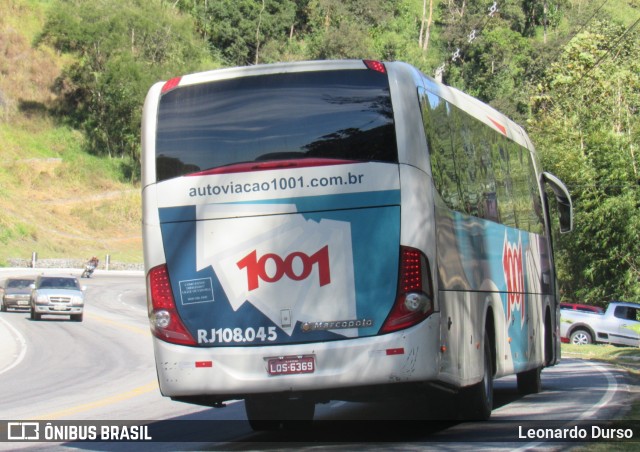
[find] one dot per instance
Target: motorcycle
(89, 269)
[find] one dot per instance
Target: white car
(619, 324)
(57, 295)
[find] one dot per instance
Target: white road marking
(612, 387)
(21, 343)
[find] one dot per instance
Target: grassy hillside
(54, 198)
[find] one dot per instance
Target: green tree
(239, 30)
(545, 14)
(407, 35)
(344, 29)
(493, 48)
(120, 48)
(586, 126)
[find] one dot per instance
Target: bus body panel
(489, 273)
(153, 254)
(417, 224)
(412, 149)
(228, 372)
(148, 136)
(476, 274)
(283, 251)
(481, 112)
(268, 69)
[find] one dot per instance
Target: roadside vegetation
(627, 358)
(56, 199)
(74, 74)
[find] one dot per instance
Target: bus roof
(479, 110)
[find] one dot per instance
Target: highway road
(102, 369)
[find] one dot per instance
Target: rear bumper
(225, 373)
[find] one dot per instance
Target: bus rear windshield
(344, 115)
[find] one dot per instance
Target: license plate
(290, 365)
(23, 303)
(59, 308)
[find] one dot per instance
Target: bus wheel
(476, 402)
(529, 382)
(270, 413)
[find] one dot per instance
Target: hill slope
(55, 199)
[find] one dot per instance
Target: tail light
(414, 299)
(375, 66)
(170, 84)
(163, 316)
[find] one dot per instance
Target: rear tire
(529, 382)
(476, 402)
(271, 413)
(581, 337)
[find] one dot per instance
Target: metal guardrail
(71, 263)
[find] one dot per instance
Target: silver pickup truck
(619, 324)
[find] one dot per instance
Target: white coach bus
(342, 230)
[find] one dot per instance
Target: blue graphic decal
(244, 278)
(505, 266)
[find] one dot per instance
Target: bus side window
(503, 182)
(526, 202)
(478, 171)
(489, 209)
(461, 164)
(436, 117)
(537, 214)
(521, 199)
(468, 155)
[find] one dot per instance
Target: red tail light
(414, 299)
(163, 316)
(170, 84)
(375, 66)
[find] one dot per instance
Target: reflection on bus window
(479, 171)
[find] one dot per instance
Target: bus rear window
(343, 115)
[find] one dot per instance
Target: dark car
(16, 293)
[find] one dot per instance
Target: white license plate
(290, 365)
(59, 308)
(23, 303)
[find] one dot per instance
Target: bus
(343, 230)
